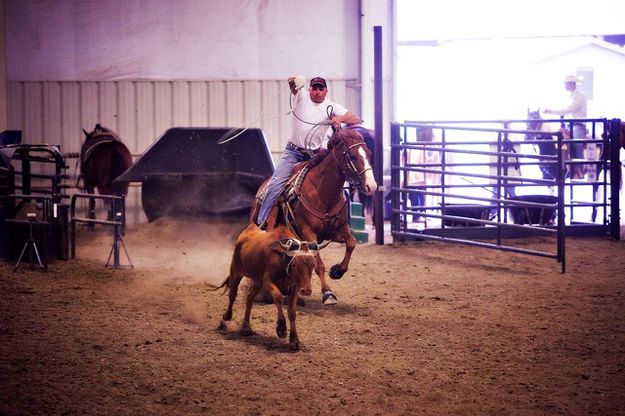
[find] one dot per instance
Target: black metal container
(531, 214)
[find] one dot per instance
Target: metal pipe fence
(118, 222)
(484, 183)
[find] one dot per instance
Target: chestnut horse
(320, 210)
(103, 157)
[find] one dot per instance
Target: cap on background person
(318, 81)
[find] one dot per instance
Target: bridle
(354, 177)
(535, 124)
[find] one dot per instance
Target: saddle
(292, 188)
(292, 194)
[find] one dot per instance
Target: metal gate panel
(109, 106)
(126, 115)
(89, 106)
(146, 130)
(52, 110)
(33, 112)
(506, 205)
(141, 110)
(235, 110)
(15, 105)
(71, 135)
(163, 111)
(252, 104)
(216, 104)
(199, 103)
(181, 103)
(272, 95)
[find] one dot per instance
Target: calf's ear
(290, 244)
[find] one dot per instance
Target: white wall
(186, 45)
(143, 66)
(184, 39)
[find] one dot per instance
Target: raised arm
(296, 82)
(348, 118)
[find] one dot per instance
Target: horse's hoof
(328, 298)
(222, 327)
(294, 345)
(246, 332)
(335, 272)
(281, 329)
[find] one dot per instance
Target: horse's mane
(100, 132)
(318, 158)
(347, 134)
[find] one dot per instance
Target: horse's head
(534, 120)
(354, 159)
(99, 131)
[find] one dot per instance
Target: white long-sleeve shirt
(577, 107)
(303, 131)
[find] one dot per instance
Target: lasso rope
(229, 135)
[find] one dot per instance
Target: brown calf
(276, 261)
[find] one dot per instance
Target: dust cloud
(182, 250)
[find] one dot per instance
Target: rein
(328, 217)
(355, 178)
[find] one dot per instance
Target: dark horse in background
(103, 157)
(319, 210)
(546, 146)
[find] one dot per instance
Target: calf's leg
(246, 328)
(277, 300)
(292, 312)
(233, 284)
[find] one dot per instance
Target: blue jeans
(279, 178)
(577, 149)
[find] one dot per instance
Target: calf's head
(299, 259)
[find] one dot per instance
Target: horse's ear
(333, 141)
(85, 131)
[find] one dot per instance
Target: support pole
(615, 179)
(378, 211)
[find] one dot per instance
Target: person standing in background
(576, 109)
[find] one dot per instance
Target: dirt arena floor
(421, 328)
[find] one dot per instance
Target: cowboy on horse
(311, 115)
(316, 208)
